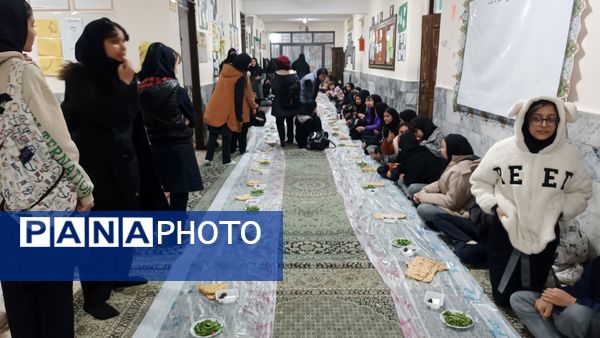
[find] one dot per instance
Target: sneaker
(230, 163)
(207, 163)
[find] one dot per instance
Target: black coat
(301, 67)
(280, 84)
(419, 165)
(166, 106)
(107, 126)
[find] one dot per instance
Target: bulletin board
(503, 58)
(382, 40)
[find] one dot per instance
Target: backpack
(30, 178)
(318, 140)
(290, 98)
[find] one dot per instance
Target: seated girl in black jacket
(414, 164)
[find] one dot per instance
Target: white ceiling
(286, 10)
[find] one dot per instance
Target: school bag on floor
(30, 179)
(318, 140)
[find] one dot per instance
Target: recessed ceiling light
(304, 20)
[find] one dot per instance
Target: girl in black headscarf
(102, 110)
(38, 309)
(170, 119)
(428, 134)
(256, 73)
(407, 115)
(452, 192)
(239, 140)
(231, 54)
(415, 164)
(301, 66)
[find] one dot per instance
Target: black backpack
(290, 98)
(318, 140)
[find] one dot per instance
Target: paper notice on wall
(50, 65)
(93, 4)
(71, 29)
(202, 47)
(47, 28)
(143, 49)
(54, 5)
(49, 47)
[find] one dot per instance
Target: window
(316, 46)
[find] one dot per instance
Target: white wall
(407, 70)
(586, 73)
(164, 27)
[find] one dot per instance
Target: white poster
(71, 29)
(50, 5)
(515, 50)
(93, 5)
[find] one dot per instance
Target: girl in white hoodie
(530, 181)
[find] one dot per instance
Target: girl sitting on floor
(428, 134)
(415, 164)
(452, 192)
(369, 123)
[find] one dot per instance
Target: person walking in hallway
(229, 107)
(286, 88)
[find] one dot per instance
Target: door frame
(428, 75)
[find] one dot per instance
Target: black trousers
(39, 309)
(213, 135)
(462, 230)
(240, 139)
(98, 292)
(499, 252)
(280, 121)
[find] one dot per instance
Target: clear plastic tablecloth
(179, 304)
(460, 290)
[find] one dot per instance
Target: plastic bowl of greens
(207, 327)
(457, 319)
(401, 242)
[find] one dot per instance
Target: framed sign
(382, 49)
(50, 5)
(93, 5)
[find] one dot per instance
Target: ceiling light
(304, 20)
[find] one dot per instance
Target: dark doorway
(429, 56)
(338, 62)
(243, 30)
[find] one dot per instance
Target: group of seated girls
(434, 170)
(443, 177)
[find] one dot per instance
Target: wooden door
(429, 56)
(243, 31)
(337, 63)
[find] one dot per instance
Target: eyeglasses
(539, 120)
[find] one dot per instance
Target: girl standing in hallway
(36, 309)
(102, 110)
(229, 107)
(530, 182)
(170, 120)
(286, 104)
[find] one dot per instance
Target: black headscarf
(423, 124)
(380, 108)
(231, 54)
(534, 145)
(13, 25)
(394, 125)
(457, 145)
(308, 108)
(241, 63)
(89, 49)
(408, 115)
(159, 62)
(408, 144)
(362, 107)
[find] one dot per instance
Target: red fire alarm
(361, 44)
